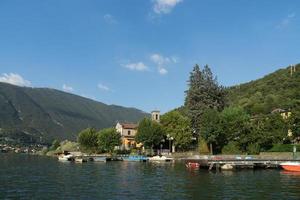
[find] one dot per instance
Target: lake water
(35, 177)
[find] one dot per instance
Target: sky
(139, 53)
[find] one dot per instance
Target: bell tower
(155, 115)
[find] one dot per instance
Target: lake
(37, 177)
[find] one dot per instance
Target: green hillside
(42, 114)
(276, 90)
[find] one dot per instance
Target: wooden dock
(212, 164)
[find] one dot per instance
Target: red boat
(291, 166)
(192, 165)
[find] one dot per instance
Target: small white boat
(63, 157)
(80, 160)
(227, 167)
(160, 158)
(99, 159)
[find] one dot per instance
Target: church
(129, 130)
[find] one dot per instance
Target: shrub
(203, 148)
(253, 149)
(231, 148)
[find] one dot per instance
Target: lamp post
(161, 145)
(170, 140)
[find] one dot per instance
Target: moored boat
(192, 165)
(64, 157)
(291, 166)
(99, 159)
(160, 158)
(80, 160)
(136, 158)
(227, 167)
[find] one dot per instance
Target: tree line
(207, 120)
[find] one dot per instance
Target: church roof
(129, 125)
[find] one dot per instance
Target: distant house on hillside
(284, 113)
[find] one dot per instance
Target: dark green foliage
(150, 133)
(253, 149)
(276, 90)
(294, 124)
(178, 127)
(203, 93)
(212, 131)
(42, 115)
(231, 148)
(108, 139)
(268, 130)
(87, 140)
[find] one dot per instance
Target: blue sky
(138, 53)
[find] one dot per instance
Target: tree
(211, 130)
(294, 122)
(87, 139)
(178, 127)
(108, 139)
(203, 93)
(235, 123)
(150, 133)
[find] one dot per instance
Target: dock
(212, 164)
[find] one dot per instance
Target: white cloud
(110, 19)
(286, 21)
(162, 71)
(67, 88)
(14, 79)
(162, 62)
(103, 87)
(139, 66)
(164, 6)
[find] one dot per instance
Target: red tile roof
(129, 125)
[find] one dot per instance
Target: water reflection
(46, 178)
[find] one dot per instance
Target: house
(285, 114)
(128, 132)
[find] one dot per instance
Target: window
(156, 116)
(129, 132)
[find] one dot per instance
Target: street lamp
(170, 140)
(161, 145)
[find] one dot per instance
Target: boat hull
(295, 167)
(291, 168)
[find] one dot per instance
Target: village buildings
(129, 130)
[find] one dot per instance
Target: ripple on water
(33, 177)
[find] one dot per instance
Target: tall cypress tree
(203, 93)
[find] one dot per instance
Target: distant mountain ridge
(42, 114)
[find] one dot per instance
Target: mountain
(32, 115)
(280, 89)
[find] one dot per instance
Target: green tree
(268, 130)
(203, 93)
(108, 139)
(178, 127)
(211, 130)
(150, 133)
(294, 122)
(87, 139)
(235, 123)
